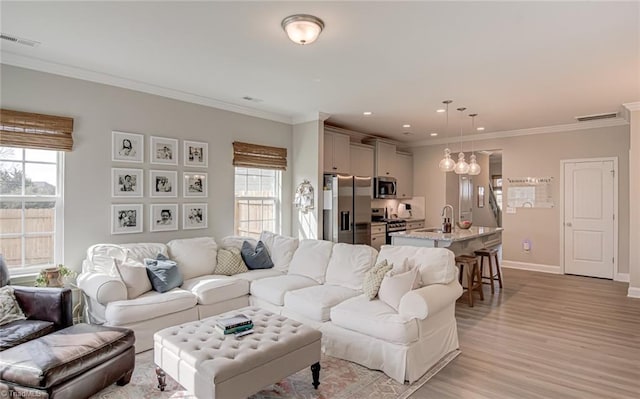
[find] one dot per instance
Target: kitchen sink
(429, 230)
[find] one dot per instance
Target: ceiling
(519, 65)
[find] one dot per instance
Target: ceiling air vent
(19, 40)
(594, 117)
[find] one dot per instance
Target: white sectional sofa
(315, 282)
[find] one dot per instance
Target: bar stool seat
(474, 278)
(490, 253)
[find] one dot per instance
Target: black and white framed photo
(195, 184)
(163, 183)
(126, 182)
(163, 150)
(126, 218)
(194, 216)
(127, 147)
(164, 217)
(196, 154)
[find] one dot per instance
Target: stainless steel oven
(385, 187)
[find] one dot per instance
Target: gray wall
(535, 156)
(97, 110)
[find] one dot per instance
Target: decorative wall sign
(530, 192)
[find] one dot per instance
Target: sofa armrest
(46, 304)
(103, 288)
(422, 302)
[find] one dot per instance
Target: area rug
(339, 379)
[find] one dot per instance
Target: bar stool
(474, 278)
(489, 254)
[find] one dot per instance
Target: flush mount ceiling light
(302, 28)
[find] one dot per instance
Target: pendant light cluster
(461, 167)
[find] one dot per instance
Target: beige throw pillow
(395, 285)
(230, 262)
(134, 275)
(9, 308)
(373, 279)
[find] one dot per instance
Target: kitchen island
(460, 241)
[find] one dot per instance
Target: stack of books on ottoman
(238, 325)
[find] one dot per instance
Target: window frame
(58, 233)
(277, 198)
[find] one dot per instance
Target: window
(257, 201)
(30, 208)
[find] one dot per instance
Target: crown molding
(314, 116)
(37, 64)
(632, 106)
(525, 132)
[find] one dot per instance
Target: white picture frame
(194, 184)
(196, 154)
(163, 151)
(195, 216)
(163, 217)
(163, 184)
(127, 183)
(127, 147)
(126, 218)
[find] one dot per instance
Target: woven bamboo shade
(29, 130)
(259, 156)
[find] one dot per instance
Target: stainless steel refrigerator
(347, 209)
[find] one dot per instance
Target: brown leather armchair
(47, 310)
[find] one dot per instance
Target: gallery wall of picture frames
(129, 183)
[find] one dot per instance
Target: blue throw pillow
(163, 273)
(257, 258)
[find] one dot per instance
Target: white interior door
(589, 218)
(466, 199)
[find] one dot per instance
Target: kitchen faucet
(444, 223)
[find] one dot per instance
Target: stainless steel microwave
(385, 187)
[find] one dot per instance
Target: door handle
(568, 224)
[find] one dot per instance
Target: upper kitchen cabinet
(361, 160)
(336, 153)
(385, 158)
(404, 174)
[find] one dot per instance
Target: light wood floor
(545, 336)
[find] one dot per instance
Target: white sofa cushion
(395, 285)
(216, 288)
(134, 275)
(316, 302)
(236, 242)
(149, 306)
(195, 256)
(435, 265)
(311, 259)
(280, 248)
(100, 259)
(140, 251)
(252, 275)
(273, 289)
(349, 264)
(375, 319)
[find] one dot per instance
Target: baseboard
(536, 267)
(624, 277)
(634, 292)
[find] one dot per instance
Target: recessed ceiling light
(367, 113)
(441, 110)
(480, 129)
(406, 126)
(434, 134)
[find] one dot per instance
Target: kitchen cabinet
(336, 153)
(378, 235)
(415, 224)
(404, 175)
(385, 159)
(361, 160)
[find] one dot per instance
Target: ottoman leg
(162, 376)
(124, 380)
(315, 372)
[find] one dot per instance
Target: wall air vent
(19, 40)
(594, 117)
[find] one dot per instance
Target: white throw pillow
(100, 259)
(195, 256)
(435, 265)
(349, 264)
(311, 259)
(394, 286)
(281, 249)
(134, 275)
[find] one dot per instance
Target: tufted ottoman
(211, 365)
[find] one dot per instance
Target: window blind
(38, 131)
(259, 156)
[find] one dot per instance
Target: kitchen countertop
(456, 235)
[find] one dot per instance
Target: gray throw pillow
(257, 258)
(163, 273)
